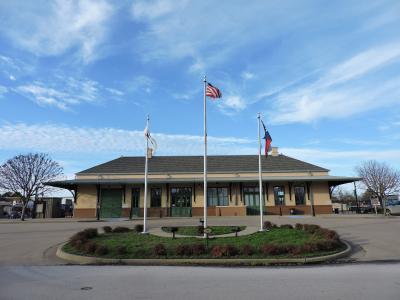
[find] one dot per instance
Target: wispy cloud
(66, 139)
(3, 90)
(57, 27)
(65, 92)
(341, 92)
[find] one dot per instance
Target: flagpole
(259, 173)
(205, 157)
(145, 179)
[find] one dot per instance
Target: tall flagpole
(259, 173)
(205, 157)
(145, 178)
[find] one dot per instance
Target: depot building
(115, 189)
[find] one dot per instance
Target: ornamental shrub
(267, 225)
(183, 250)
(309, 248)
(78, 244)
(107, 229)
(271, 249)
(311, 228)
(200, 230)
(120, 229)
(101, 250)
(299, 226)
(286, 226)
(247, 250)
(159, 250)
(327, 234)
(139, 227)
(198, 249)
(224, 251)
(121, 250)
(90, 247)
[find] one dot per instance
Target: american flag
(267, 138)
(212, 91)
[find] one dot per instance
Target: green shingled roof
(194, 164)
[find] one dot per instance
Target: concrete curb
(89, 260)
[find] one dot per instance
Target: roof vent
(274, 151)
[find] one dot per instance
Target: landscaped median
(285, 244)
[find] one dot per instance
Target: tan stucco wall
(87, 198)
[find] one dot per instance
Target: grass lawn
(138, 245)
(193, 230)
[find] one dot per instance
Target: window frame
(253, 195)
(276, 198)
(221, 198)
(303, 202)
(153, 202)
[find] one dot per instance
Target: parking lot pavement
(34, 242)
(333, 282)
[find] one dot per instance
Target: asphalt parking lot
(34, 242)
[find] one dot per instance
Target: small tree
(379, 179)
(26, 175)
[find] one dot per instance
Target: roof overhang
(73, 183)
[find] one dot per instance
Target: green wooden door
(135, 202)
(181, 202)
(111, 203)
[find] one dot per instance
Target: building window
(300, 195)
(251, 196)
(217, 196)
(155, 200)
(279, 195)
(181, 197)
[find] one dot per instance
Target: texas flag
(267, 138)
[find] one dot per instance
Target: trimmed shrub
(268, 225)
(159, 250)
(247, 250)
(120, 229)
(84, 235)
(271, 249)
(101, 250)
(200, 230)
(299, 226)
(139, 227)
(198, 249)
(327, 234)
(311, 228)
(295, 250)
(286, 226)
(183, 250)
(327, 245)
(78, 244)
(121, 250)
(309, 248)
(90, 247)
(224, 251)
(107, 229)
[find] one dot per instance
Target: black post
(98, 203)
(355, 195)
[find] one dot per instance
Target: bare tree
(26, 174)
(379, 179)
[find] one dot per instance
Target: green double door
(111, 203)
(181, 202)
(135, 212)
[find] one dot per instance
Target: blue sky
(77, 78)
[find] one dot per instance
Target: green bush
(311, 228)
(159, 250)
(120, 229)
(107, 229)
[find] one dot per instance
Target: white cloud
(140, 84)
(12, 77)
(152, 9)
(64, 139)
(53, 28)
(64, 92)
(339, 92)
(3, 90)
(232, 104)
(247, 75)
